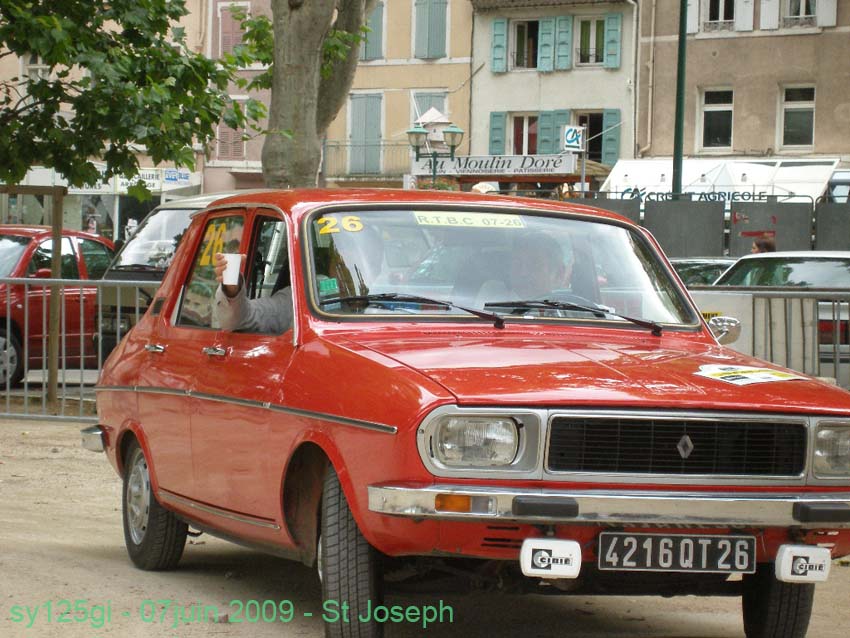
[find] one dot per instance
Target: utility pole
(678, 132)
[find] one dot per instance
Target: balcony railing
(379, 159)
(590, 56)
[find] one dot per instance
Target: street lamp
(418, 137)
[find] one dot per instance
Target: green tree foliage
(119, 80)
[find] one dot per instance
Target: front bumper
(613, 508)
(93, 439)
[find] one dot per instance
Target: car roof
(303, 201)
(810, 254)
(714, 260)
(33, 230)
(205, 199)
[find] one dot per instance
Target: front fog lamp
(832, 451)
(476, 441)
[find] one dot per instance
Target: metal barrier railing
(93, 316)
(804, 330)
(807, 331)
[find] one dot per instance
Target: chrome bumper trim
(93, 439)
(611, 508)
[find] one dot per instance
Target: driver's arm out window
(221, 235)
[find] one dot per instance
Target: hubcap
(8, 360)
(138, 498)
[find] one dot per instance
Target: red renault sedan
(26, 252)
(516, 390)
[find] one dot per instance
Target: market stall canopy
(788, 180)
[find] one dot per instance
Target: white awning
(724, 179)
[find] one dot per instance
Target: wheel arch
(301, 492)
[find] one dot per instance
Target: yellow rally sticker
(470, 220)
(708, 316)
(744, 375)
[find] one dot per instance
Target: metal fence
(93, 315)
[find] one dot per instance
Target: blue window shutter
(612, 40)
(365, 133)
(563, 43)
(546, 133)
(610, 136)
(422, 24)
(498, 130)
(437, 29)
(372, 47)
(499, 46)
(546, 45)
(562, 119)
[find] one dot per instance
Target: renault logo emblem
(685, 446)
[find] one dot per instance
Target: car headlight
(476, 441)
(832, 451)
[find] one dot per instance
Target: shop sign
(708, 196)
(502, 165)
(574, 138)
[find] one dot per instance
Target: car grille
(678, 446)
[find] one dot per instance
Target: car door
(36, 304)
(178, 361)
(236, 385)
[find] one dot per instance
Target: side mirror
(725, 329)
(41, 273)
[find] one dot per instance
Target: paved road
(61, 540)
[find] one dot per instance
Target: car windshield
(789, 271)
(402, 263)
(153, 244)
(11, 249)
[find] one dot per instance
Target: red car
(516, 390)
(26, 252)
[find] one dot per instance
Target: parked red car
(517, 390)
(26, 251)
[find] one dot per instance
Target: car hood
(545, 369)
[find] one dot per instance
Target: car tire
(773, 609)
(349, 567)
(10, 346)
(154, 537)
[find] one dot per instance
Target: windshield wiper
(596, 311)
(496, 318)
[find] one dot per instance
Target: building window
(524, 134)
(372, 46)
(721, 15)
(230, 29)
(799, 13)
(593, 128)
(716, 108)
(798, 116)
(231, 143)
(431, 25)
(526, 34)
(35, 69)
(591, 38)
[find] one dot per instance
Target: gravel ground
(62, 549)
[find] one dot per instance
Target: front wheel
(349, 567)
(773, 609)
(154, 537)
(11, 358)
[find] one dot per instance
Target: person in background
(764, 244)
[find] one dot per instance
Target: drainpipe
(650, 86)
(635, 61)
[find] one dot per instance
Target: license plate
(619, 551)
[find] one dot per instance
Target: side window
(221, 235)
(43, 255)
(96, 257)
(269, 256)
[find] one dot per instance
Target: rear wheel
(11, 358)
(773, 609)
(349, 568)
(154, 537)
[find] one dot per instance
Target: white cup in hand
(230, 277)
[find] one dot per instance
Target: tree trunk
(303, 104)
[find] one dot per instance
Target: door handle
(214, 351)
(155, 348)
